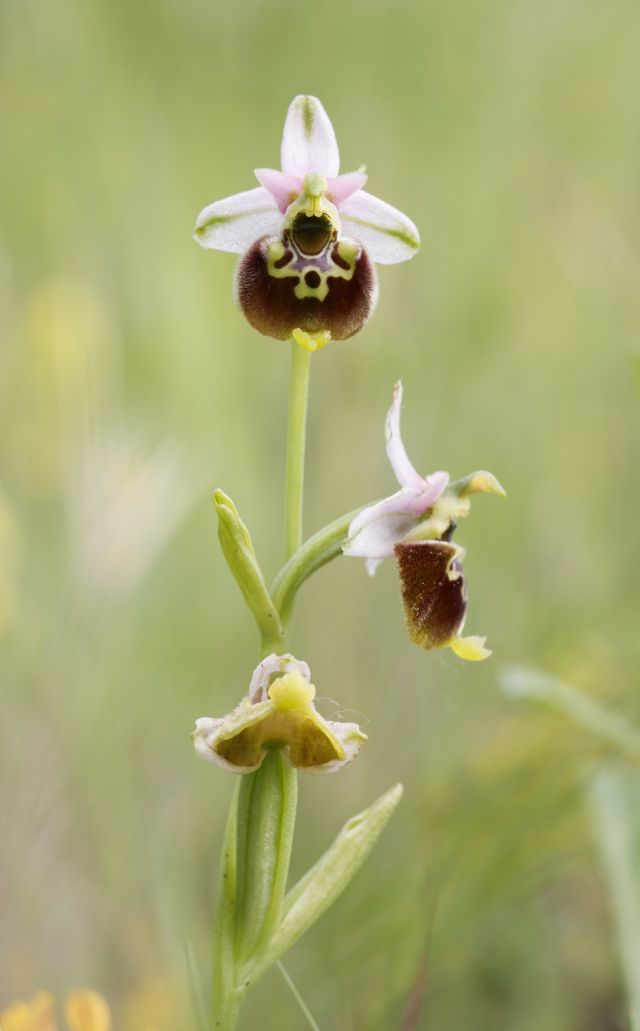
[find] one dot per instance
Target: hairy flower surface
(308, 237)
(85, 1011)
(278, 712)
(416, 525)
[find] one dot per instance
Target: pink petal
(387, 235)
(308, 141)
(283, 188)
(236, 222)
(403, 468)
(434, 485)
(376, 530)
(345, 186)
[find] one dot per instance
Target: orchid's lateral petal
(376, 530)
(434, 486)
(236, 222)
(387, 234)
(308, 141)
(338, 190)
(406, 474)
(283, 188)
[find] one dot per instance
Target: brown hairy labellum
(281, 288)
(433, 591)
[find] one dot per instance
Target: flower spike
(278, 712)
(416, 525)
(308, 236)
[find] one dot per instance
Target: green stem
(266, 818)
(225, 1015)
(255, 867)
(324, 546)
(294, 487)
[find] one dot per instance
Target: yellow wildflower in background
(85, 1011)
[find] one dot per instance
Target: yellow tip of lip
(311, 341)
(471, 649)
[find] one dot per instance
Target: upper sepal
(309, 142)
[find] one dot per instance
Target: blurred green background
(130, 387)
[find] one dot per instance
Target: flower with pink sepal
(308, 237)
(416, 525)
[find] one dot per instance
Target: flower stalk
(254, 870)
(267, 804)
(296, 442)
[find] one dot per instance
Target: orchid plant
(308, 240)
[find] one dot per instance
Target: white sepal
(387, 235)
(308, 142)
(236, 222)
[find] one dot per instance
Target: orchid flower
(278, 711)
(416, 525)
(308, 237)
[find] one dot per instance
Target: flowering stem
(266, 818)
(294, 487)
(255, 867)
(321, 548)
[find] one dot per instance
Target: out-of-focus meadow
(130, 387)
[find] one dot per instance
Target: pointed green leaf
(324, 882)
(237, 547)
(225, 997)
